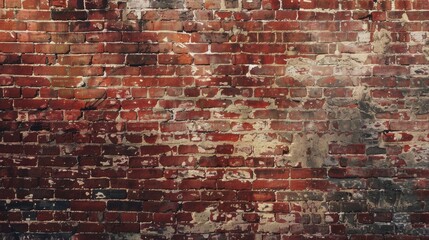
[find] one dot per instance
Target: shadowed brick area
(214, 119)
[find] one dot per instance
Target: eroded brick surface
(214, 119)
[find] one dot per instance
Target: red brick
(33, 15)
(270, 184)
(12, 3)
(75, 60)
(30, 104)
(279, 26)
(16, 47)
(48, 26)
(234, 184)
(180, 59)
(420, 4)
(308, 173)
(88, 205)
(86, 71)
(257, 196)
(32, 81)
(164, 25)
(103, 37)
(89, 93)
(52, 48)
(12, 25)
(145, 173)
(390, 70)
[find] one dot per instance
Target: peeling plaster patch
(355, 59)
(420, 106)
(265, 207)
(244, 150)
(236, 31)
(120, 160)
(251, 66)
(266, 217)
(291, 51)
(418, 37)
(198, 217)
(405, 18)
(263, 144)
(360, 93)
(138, 4)
(273, 227)
(192, 174)
(364, 37)
(425, 51)
(381, 41)
(308, 149)
(134, 8)
(420, 69)
(287, 217)
(348, 65)
(312, 150)
(346, 114)
(241, 109)
(201, 223)
(416, 156)
(166, 231)
(126, 236)
(299, 68)
(239, 174)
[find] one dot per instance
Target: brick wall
(214, 119)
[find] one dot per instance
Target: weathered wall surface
(214, 119)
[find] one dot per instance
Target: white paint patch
(265, 207)
(329, 219)
(381, 41)
(251, 66)
(364, 37)
(238, 174)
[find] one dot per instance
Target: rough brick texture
(214, 119)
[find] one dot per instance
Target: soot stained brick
(124, 205)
